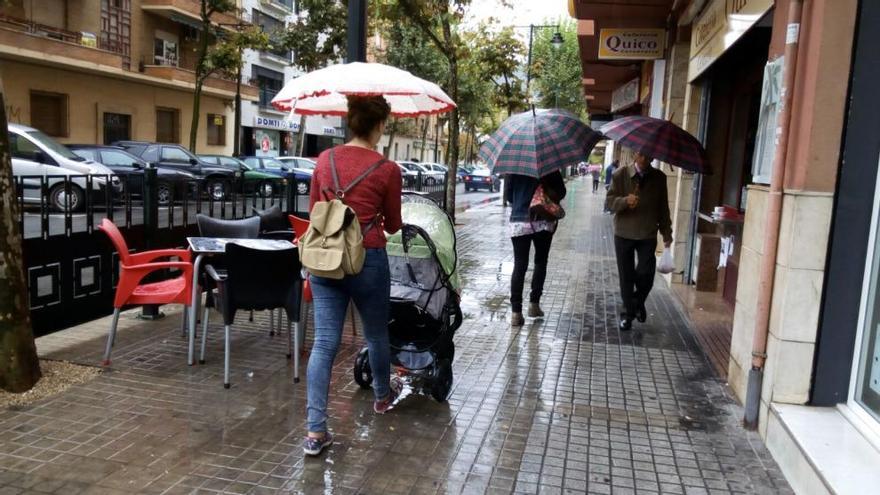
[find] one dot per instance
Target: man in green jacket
(638, 200)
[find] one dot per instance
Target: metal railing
(266, 96)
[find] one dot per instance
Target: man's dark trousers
(636, 280)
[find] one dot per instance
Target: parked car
(171, 183)
(40, 155)
(299, 163)
(164, 155)
(266, 184)
(481, 178)
(429, 176)
(463, 170)
(301, 180)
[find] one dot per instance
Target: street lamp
(556, 42)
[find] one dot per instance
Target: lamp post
(556, 41)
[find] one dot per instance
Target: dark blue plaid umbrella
(538, 142)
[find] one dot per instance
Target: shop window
(765, 141)
(117, 127)
(49, 113)
(216, 130)
(167, 125)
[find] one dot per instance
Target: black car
(164, 155)
(481, 178)
(172, 183)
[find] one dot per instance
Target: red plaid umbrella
(659, 139)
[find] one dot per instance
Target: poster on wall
(266, 142)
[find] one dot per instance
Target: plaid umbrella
(659, 139)
(538, 142)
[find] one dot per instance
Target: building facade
(266, 131)
(776, 250)
(90, 71)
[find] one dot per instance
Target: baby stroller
(425, 310)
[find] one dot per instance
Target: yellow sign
(631, 44)
(720, 25)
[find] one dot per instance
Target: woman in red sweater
(376, 201)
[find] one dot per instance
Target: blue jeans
(370, 290)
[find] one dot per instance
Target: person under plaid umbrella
(659, 139)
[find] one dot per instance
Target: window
(22, 148)
(49, 113)
(253, 163)
(272, 27)
(175, 154)
(771, 103)
(87, 154)
(151, 154)
(165, 49)
(167, 125)
(229, 162)
(115, 158)
(216, 130)
(270, 83)
(117, 127)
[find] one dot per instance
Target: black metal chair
(258, 280)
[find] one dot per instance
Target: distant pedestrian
(595, 171)
(609, 172)
(525, 231)
(638, 199)
(582, 168)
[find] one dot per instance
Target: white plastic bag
(666, 263)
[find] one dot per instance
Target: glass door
(865, 389)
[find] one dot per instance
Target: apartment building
(266, 131)
(97, 71)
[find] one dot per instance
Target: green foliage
(556, 72)
(225, 55)
(318, 37)
(496, 53)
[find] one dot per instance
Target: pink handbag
(544, 208)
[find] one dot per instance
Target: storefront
(269, 137)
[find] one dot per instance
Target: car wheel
(165, 194)
(302, 187)
(217, 190)
(267, 189)
(63, 202)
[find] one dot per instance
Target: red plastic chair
(132, 270)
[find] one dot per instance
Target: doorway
(117, 127)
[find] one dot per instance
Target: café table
(211, 246)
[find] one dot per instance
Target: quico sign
(631, 44)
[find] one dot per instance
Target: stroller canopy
(427, 215)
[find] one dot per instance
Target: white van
(35, 154)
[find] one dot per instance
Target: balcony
(186, 12)
(29, 40)
(266, 96)
(281, 6)
(213, 85)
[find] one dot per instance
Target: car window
(151, 154)
(272, 163)
(252, 162)
(229, 162)
(53, 145)
(116, 158)
(21, 147)
(305, 164)
(174, 154)
(213, 160)
(87, 154)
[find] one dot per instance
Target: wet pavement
(566, 404)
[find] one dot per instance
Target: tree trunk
(19, 365)
(424, 138)
(200, 77)
(452, 174)
(391, 133)
(302, 136)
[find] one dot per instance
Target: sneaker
(387, 404)
(314, 446)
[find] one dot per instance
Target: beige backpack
(333, 246)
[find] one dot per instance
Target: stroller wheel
(363, 375)
(442, 383)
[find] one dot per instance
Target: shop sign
(279, 124)
(332, 131)
(631, 44)
(720, 25)
(625, 96)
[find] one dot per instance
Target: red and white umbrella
(324, 91)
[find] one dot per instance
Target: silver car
(37, 158)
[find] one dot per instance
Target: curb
(477, 203)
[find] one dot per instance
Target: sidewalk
(563, 405)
